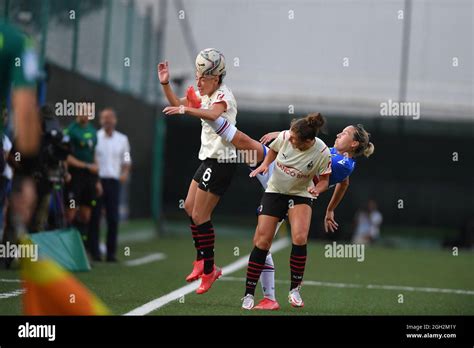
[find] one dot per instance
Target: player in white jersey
(217, 168)
(351, 142)
(300, 156)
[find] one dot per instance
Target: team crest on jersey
(310, 165)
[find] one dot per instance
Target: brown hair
(365, 147)
(307, 128)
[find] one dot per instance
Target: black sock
(297, 264)
(82, 227)
(194, 232)
(206, 238)
(254, 269)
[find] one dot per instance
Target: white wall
(298, 61)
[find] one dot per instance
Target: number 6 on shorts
(207, 175)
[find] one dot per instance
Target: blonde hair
(365, 147)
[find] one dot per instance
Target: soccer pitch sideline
(387, 282)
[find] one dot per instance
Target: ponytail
(369, 150)
(307, 128)
(365, 147)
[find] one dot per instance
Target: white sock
(268, 278)
(223, 128)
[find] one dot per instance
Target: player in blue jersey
(353, 141)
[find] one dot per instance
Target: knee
(261, 242)
(188, 207)
(299, 239)
(198, 217)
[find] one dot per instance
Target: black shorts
(81, 188)
(277, 204)
(214, 177)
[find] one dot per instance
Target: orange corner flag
(51, 290)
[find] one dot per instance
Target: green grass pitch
(334, 286)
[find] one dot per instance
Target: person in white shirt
(217, 168)
(113, 156)
(368, 221)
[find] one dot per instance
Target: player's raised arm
(164, 77)
(209, 115)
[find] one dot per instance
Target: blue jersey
(341, 167)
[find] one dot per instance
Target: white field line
(146, 259)
(178, 293)
(140, 235)
(12, 294)
(369, 286)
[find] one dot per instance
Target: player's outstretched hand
(329, 223)
(163, 72)
(269, 137)
(174, 110)
(313, 191)
(262, 169)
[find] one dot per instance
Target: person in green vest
(18, 77)
(19, 73)
(84, 186)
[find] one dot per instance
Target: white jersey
(294, 169)
(212, 145)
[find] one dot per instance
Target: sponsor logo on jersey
(293, 172)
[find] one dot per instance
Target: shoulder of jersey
(226, 90)
(321, 146)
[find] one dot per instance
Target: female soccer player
(213, 176)
(351, 142)
(300, 156)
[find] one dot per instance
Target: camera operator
(47, 169)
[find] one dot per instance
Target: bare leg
(262, 240)
(300, 219)
(204, 204)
